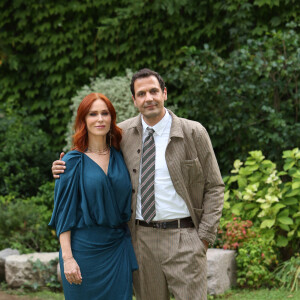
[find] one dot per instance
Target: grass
(238, 294)
(261, 294)
(40, 295)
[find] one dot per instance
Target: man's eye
(141, 94)
(153, 91)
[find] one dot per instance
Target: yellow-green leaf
(226, 195)
(267, 223)
(293, 193)
(296, 185)
(285, 220)
(282, 241)
(288, 165)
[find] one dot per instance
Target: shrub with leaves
(54, 47)
(234, 233)
(45, 275)
(24, 222)
(249, 100)
(25, 155)
(256, 192)
(255, 261)
(288, 273)
(116, 89)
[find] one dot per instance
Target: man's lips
(150, 106)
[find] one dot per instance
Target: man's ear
(165, 94)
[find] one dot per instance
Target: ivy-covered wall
(49, 49)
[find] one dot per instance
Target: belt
(180, 223)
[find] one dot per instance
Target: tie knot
(150, 131)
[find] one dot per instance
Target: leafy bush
(249, 100)
(118, 92)
(25, 155)
(288, 273)
(24, 222)
(46, 274)
(54, 48)
(255, 260)
(256, 192)
(234, 234)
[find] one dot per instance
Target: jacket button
(133, 190)
(134, 170)
(138, 151)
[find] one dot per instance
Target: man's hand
(58, 166)
(205, 244)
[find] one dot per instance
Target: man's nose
(149, 97)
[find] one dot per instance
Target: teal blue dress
(96, 208)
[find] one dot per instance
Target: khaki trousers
(170, 261)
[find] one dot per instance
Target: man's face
(149, 99)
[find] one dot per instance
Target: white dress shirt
(168, 204)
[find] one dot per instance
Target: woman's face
(98, 119)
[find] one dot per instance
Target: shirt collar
(160, 126)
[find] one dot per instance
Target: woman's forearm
(71, 268)
(65, 243)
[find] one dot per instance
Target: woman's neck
(97, 144)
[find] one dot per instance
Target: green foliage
(288, 273)
(24, 222)
(49, 49)
(249, 100)
(255, 261)
(257, 193)
(257, 294)
(25, 155)
(234, 233)
(45, 275)
(118, 92)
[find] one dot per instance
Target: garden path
(4, 296)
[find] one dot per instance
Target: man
(177, 194)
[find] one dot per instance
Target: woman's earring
(110, 138)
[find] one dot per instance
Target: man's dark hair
(144, 73)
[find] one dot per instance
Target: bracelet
(65, 259)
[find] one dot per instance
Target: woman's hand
(72, 271)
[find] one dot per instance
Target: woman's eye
(104, 114)
(92, 114)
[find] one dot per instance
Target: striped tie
(147, 177)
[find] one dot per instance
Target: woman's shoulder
(72, 155)
(72, 158)
(115, 152)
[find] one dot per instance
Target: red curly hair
(80, 138)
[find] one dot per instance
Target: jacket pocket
(198, 212)
(192, 171)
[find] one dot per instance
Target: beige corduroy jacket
(192, 166)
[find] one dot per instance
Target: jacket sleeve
(213, 195)
(66, 195)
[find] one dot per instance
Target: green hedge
(249, 100)
(49, 49)
(25, 156)
(269, 197)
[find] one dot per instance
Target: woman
(91, 207)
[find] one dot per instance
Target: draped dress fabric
(96, 208)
